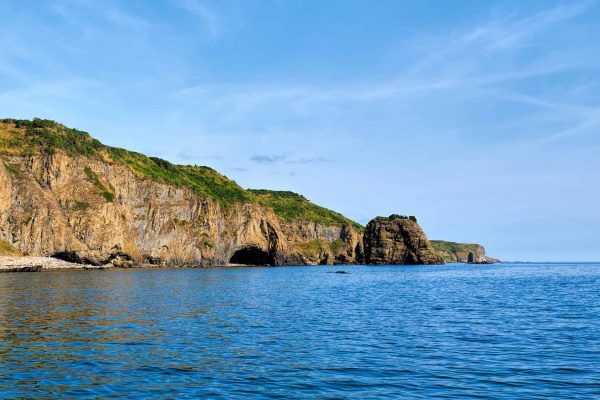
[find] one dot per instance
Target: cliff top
(396, 216)
(40, 136)
(454, 247)
(291, 206)
(24, 137)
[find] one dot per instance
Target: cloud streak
(460, 67)
(285, 158)
(267, 159)
(209, 18)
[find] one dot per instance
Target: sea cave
(252, 256)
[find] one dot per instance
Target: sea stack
(397, 240)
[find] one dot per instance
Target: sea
(502, 331)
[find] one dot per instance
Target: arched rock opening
(470, 258)
(252, 256)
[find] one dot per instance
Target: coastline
(10, 264)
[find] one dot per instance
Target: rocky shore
(34, 264)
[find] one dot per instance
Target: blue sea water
(456, 331)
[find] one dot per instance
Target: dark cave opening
(470, 258)
(252, 256)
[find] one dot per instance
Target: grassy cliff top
(454, 247)
(396, 216)
(292, 206)
(25, 137)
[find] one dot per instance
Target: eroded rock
(397, 241)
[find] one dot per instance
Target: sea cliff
(64, 194)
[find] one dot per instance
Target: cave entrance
(470, 258)
(252, 256)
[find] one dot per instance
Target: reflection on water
(509, 331)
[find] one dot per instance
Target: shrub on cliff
(6, 249)
(292, 206)
(397, 216)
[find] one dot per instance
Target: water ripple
(451, 332)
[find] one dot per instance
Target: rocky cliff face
(97, 209)
(461, 252)
(397, 241)
(64, 194)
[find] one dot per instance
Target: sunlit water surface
(455, 331)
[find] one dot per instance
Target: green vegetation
(11, 169)
(179, 222)
(80, 206)
(312, 248)
(337, 246)
(396, 216)
(23, 137)
(318, 246)
(27, 137)
(108, 196)
(292, 206)
(6, 249)
(92, 177)
(202, 180)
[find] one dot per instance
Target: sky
(482, 118)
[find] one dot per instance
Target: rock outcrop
(462, 252)
(397, 240)
(64, 194)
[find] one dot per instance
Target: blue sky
(482, 118)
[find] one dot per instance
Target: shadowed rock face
(397, 241)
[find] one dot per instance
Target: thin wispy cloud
(509, 32)
(310, 160)
(209, 18)
(449, 64)
(286, 159)
(267, 159)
